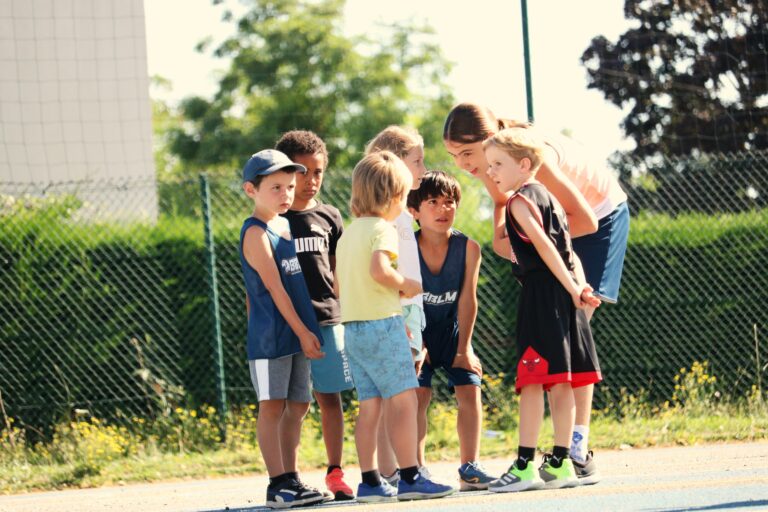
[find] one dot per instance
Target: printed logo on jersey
(291, 266)
(532, 362)
(313, 243)
(448, 297)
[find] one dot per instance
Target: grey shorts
(282, 378)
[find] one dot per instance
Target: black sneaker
(587, 471)
(292, 493)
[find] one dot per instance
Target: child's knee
(271, 410)
(328, 402)
(296, 410)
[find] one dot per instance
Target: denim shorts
(602, 253)
(413, 315)
(332, 374)
(380, 357)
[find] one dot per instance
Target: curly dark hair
(301, 142)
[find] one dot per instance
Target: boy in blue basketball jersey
(282, 328)
(450, 263)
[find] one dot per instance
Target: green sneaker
(558, 478)
(516, 480)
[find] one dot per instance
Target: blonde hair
(400, 140)
(519, 143)
(378, 179)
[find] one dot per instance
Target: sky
(483, 39)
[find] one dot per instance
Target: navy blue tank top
(441, 301)
(269, 335)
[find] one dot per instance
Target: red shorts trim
(576, 379)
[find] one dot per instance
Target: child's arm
(501, 245)
(258, 253)
(590, 299)
(467, 314)
(548, 253)
(581, 218)
(382, 272)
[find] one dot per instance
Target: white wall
(74, 95)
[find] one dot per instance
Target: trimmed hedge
(109, 318)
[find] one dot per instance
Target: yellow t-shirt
(361, 297)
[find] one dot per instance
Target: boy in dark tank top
(450, 263)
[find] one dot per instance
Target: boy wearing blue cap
(283, 331)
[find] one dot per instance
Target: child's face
(436, 214)
(414, 160)
(275, 193)
(469, 156)
(308, 184)
(506, 171)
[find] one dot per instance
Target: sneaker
(337, 486)
(378, 494)
(517, 480)
(422, 489)
(558, 478)
(424, 471)
(472, 476)
(292, 493)
(392, 479)
(587, 471)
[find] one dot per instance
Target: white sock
(579, 443)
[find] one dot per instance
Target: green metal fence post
(527, 59)
(210, 250)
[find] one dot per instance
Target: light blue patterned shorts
(380, 357)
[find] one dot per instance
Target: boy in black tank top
(450, 263)
(555, 349)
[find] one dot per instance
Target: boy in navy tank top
(555, 350)
(282, 328)
(450, 263)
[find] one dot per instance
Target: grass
(185, 443)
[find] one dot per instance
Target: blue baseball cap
(268, 161)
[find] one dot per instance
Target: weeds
(187, 442)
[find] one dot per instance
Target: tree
(692, 73)
(292, 68)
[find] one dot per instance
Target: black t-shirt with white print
(315, 234)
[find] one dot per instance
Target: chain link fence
(106, 292)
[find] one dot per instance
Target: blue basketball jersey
(269, 335)
(441, 301)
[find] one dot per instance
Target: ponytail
(469, 122)
(513, 123)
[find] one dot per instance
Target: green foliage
(291, 67)
(87, 452)
(689, 74)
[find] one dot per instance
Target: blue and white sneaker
(292, 493)
(473, 477)
(392, 479)
(422, 489)
(378, 494)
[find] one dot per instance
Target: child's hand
(583, 298)
(310, 345)
(410, 288)
(420, 363)
(469, 362)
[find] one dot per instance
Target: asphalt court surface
(728, 477)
